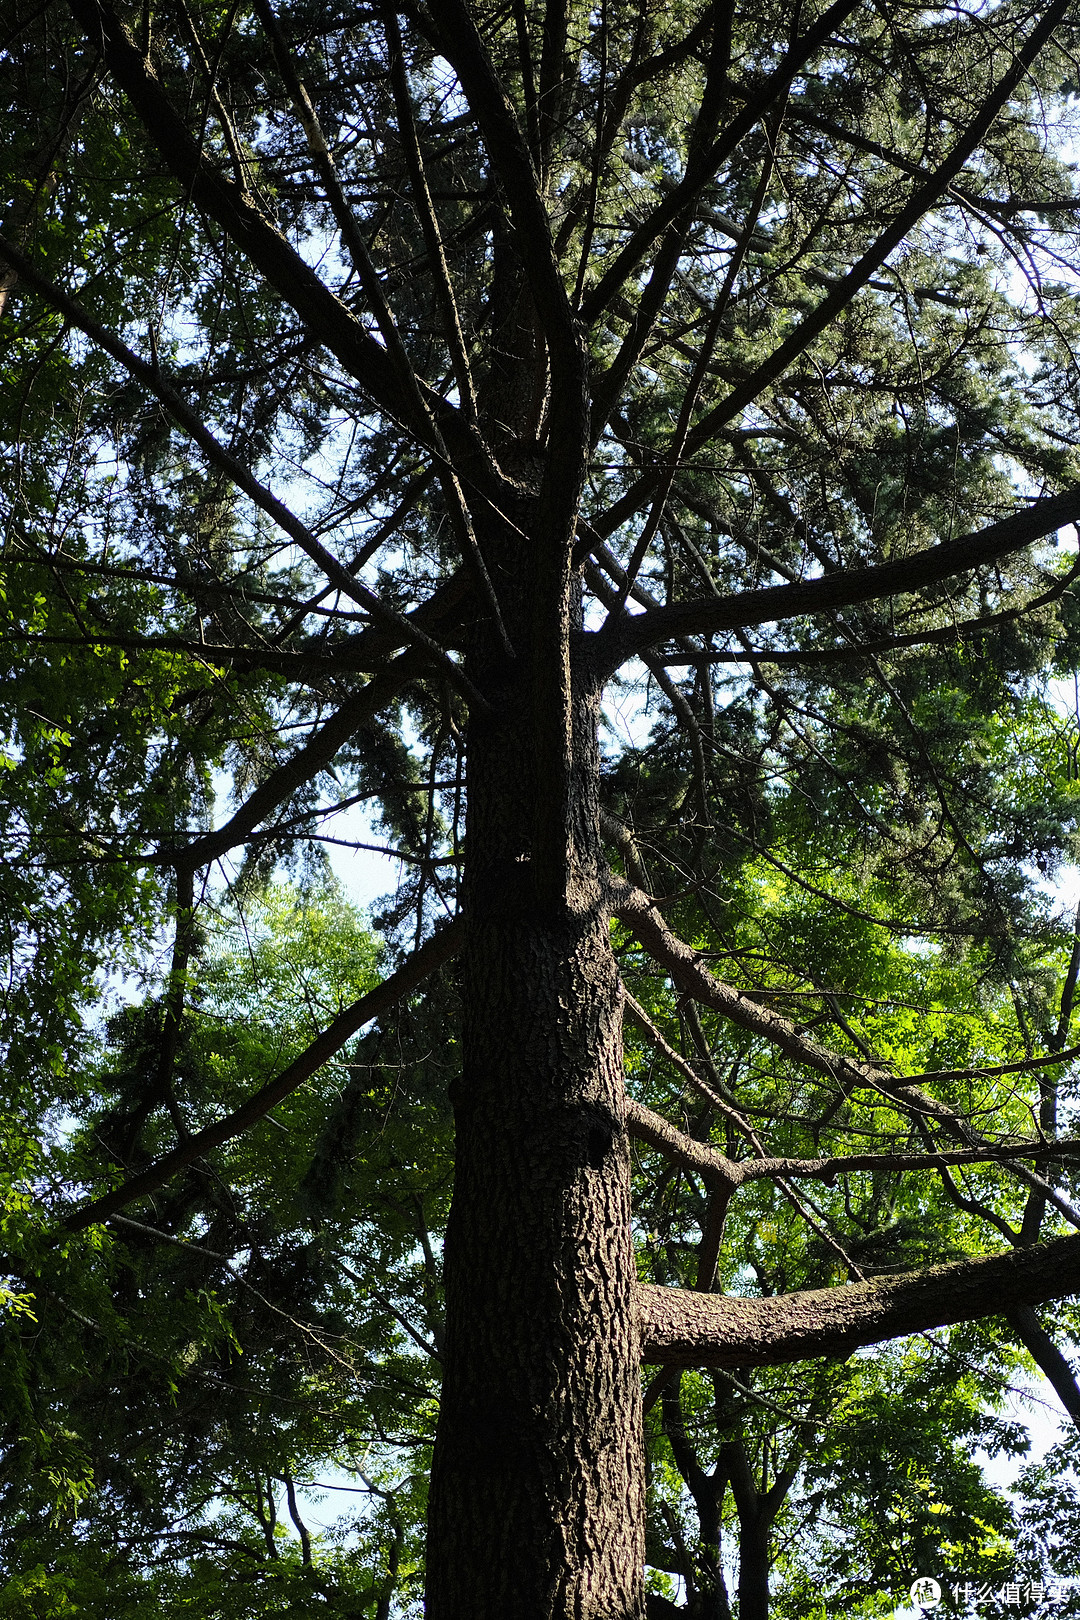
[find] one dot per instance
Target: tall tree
(386, 386)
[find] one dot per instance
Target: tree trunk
(713, 1597)
(756, 1510)
(754, 1568)
(537, 1493)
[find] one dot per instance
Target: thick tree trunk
(537, 1494)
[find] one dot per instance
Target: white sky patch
(354, 849)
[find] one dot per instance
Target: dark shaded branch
(368, 1289)
(608, 388)
(325, 316)
(510, 156)
(425, 209)
(700, 172)
(175, 999)
(294, 1515)
(1048, 1358)
(431, 955)
(855, 649)
(773, 603)
(701, 1487)
(301, 766)
(152, 378)
(923, 199)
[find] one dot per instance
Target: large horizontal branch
(685, 1329)
(412, 972)
(631, 636)
(958, 631)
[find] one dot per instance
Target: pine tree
(386, 392)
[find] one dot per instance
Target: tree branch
(1048, 1358)
(510, 156)
(854, 649)
(685, 1329)
(699, 173)
(245, 481)
(719, 1171)
(301, 766)
(845, 289)
(629, 637)
(690, 975)
(422, 418)
(681, 1066)
(425, 209)
(707, 1162)
(413, 971)
(237, 215)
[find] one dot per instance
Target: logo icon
(925, 1592)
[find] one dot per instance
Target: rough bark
(537, 1492)
(682, 1328)
(754, 1568)
(538, 1475)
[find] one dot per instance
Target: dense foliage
(299, 505)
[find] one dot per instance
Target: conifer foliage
(621, 461)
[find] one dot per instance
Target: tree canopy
(621, 462)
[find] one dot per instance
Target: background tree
(197, 1384)
(201, 1395)
(386, 390)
